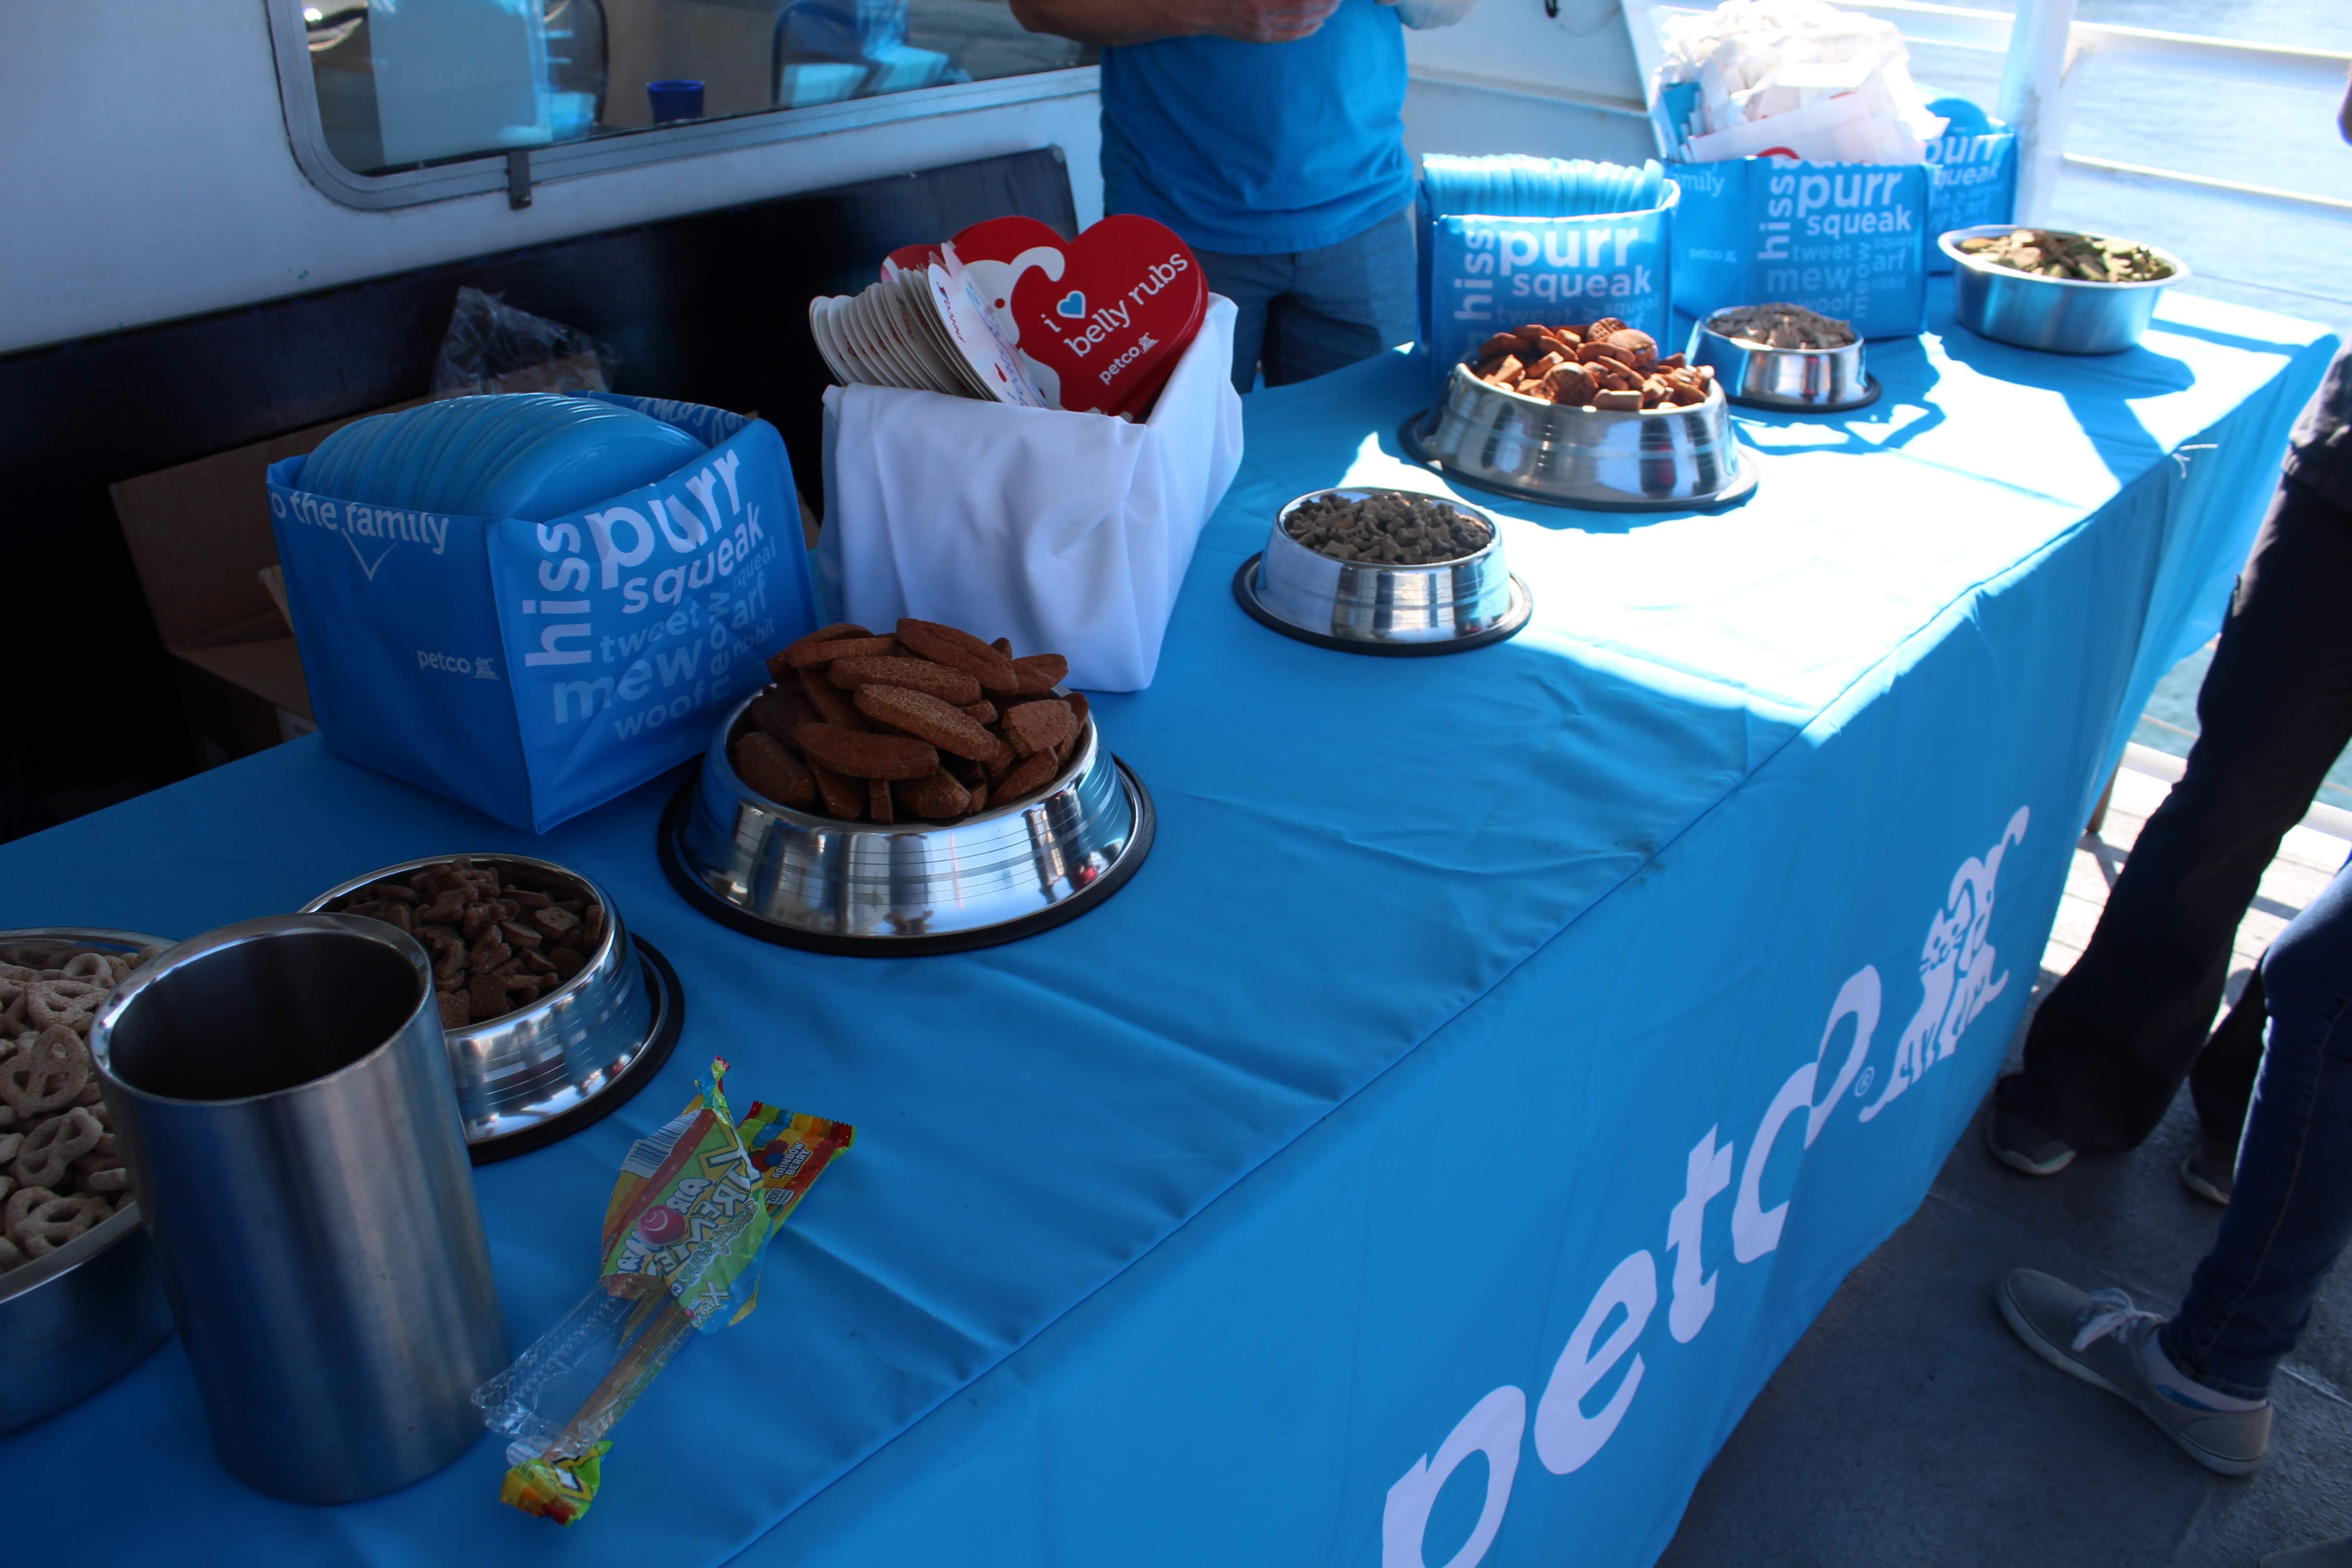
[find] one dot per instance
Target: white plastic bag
(1423, 15)
(1068, 534)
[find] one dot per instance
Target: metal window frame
(490, 172)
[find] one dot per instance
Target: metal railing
(2042, 46)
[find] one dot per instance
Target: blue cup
(678, 100)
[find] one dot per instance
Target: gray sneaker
(2095, 1336)
(2022, 1146)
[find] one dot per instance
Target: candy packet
(692, 1215)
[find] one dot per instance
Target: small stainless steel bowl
(79, 1318)
(1652, 459)
(1417, 609)
(518, 1075)
(872, 889)
(1803, 380)
(2057, 315)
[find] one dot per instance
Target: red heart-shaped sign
(1111, 326)
(1102, 320)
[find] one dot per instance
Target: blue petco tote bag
(536, 671)
(1850, 240)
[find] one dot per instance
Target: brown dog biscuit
(805, 656)
(1500, 343)
(928, 719)
(959, 651)
(980, 712)
(842, 797)
(1603, 328)
(1042, 671)
(826, 698)
(861, 754)
(1509, 372)
(1003, 646)
(1080, 709)
(1036, 726)
(781, 660)
(1623, 401)
(877, 802)
(1573, 385)
(950, 686)
(774, 771)
(939, 797)
(1640, 345)
(776, 710)
(1034, 773)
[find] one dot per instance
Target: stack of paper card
(925, 329)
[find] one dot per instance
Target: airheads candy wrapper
(686, 1232)
(698, 1199)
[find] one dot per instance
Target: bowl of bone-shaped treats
(917, 790)
(1586, 417)
(80, 1296)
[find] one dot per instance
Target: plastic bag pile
(1790, 76)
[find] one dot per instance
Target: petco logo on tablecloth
(1958, 981)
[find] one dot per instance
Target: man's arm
(1141, 21)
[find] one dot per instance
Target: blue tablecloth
(1496, 1065)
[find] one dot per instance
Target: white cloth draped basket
(1067, 532)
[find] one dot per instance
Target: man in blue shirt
(1269, 133)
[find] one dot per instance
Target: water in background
(2294, 264)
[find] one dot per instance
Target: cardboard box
(199, 535)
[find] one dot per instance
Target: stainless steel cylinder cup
(282, 1096)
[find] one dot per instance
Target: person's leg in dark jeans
(2205, 1376)
(2113, 1041)
(2223, 1085)
(1346, 302)
(1253, 283)
(2291, 1215)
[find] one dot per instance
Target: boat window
(402, 87)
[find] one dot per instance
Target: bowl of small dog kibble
(1381, 570)
(2056, 290)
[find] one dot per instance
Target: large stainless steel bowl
(1800, 381)
(2057, 315)
(542, 1066)
(1364, 607)
(79, 1318)
(870, 889)
(1652, 459)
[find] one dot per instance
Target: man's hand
(1139, 21)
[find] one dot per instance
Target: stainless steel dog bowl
(870, 889)
(1366, 607)
(79, 1318)
(544, 1071)
(2057, 315)
(1799, 381)
(1654, 459)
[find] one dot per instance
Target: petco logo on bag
(1959, 975)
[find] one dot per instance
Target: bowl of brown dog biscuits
(1588, 417)
(80, 1301)
(918, 789)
